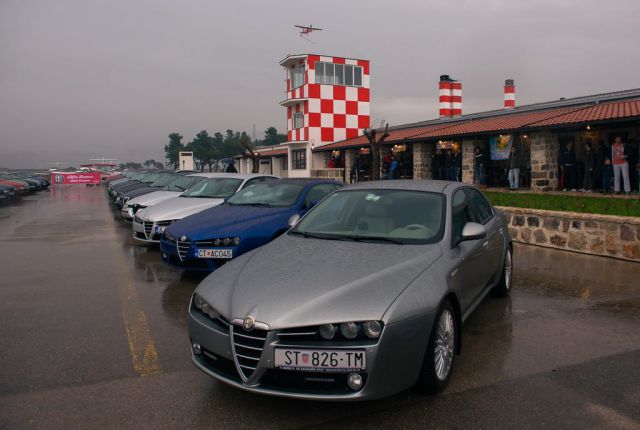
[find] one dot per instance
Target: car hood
(141, 191)
(295, 281)
(178, 208)
(227, 220)
(153, 198)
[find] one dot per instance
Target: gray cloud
(86, 78)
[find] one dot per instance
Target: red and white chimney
(509, 94)
(450, 96)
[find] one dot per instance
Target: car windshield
(268, 194)
(164, 180)
(394, 216)
(214, 188)
(151, 178)
(183, 183)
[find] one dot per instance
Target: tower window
(338, 74)
(298, 120)
(297, 76)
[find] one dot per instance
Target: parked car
(173, 189)
(164, 180)
(363, 298)
(20, 186)
(247, 220)
(149, 223)
(6, 193)
(143, 182)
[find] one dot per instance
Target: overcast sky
(83, 79)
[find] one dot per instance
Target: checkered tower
(509, 94)
(450, 96)
(328, 100)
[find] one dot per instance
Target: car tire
(506, 277)
(439, 358)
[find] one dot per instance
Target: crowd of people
(446, 164)
(603, 169)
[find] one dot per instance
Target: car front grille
(148, 227)
(183, 247)
(247, 348)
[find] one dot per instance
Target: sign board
(66, 178)
(445, 144)
(500, 146)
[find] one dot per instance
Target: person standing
(589, 168)
(448, 165)
(514, 169)
(569, 160)
(435, 164)
(478, 167)
(620, 165)
(457, 164)
(393, 168)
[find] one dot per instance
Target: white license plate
(214, 253)
(320, 360)
(159, 229)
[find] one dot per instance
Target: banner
(500, 146)
(64, 178)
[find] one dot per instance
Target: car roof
(305, 181)
(231, 175)
(446, 187)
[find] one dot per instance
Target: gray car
(364, 297)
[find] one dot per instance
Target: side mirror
(311, 204)
(293, 220)
(473, 231)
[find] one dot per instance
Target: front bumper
(393, 363)
(183, 255)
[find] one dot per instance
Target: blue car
(247, 220)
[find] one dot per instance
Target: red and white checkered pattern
(450, 97)
(331, 112)
(509, 94)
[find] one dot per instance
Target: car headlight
(349, 330)
(327, 331)
(226, 241)
(171, 238)
(202, 305)
(235, 241)
(372, 329)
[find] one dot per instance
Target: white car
(174, 189)
(149, 223)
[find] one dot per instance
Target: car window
(318, 192)
(480, 207)
(268, 193)
(460, 215)
(214, 188)
(256, 181)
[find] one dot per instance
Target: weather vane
(305, 31)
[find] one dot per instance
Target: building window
(298, 120)
(297, 76)
(338, 74)
(299, 159)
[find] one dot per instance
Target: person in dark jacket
(478, 167)
(436, 159)
(589, 168)
(513, 162)
(447, 165)
(457, 164)
(569, 161)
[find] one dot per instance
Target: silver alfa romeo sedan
(362, 298)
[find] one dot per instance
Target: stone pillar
(468, 157)
(349, 158)
(544, 148)
(422, 152)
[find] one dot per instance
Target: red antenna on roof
(305, 31)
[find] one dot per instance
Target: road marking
(142, 348)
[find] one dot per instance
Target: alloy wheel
(444, 345)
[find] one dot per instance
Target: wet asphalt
(93, 335)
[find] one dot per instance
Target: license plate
(159, 229)
(214, 253)
(320, 360)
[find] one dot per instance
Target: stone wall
(422, 153)
(610, 236)
(337, 174)
(544, 149)
(468, 157)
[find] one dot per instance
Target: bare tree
(375, 143)
(250, 151)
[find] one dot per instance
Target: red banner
(62, 178)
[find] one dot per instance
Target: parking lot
(94, 336)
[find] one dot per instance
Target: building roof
(618, 105)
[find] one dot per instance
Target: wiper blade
(373, 239)
(312, 235)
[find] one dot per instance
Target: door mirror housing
(293, 220)
(473, 231)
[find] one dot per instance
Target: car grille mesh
(183, 247)
(248, 346)
(148, 226)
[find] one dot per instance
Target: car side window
(460, 215)
(480, 207)
(318, 192)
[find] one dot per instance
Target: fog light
(236, 241)
(354, 380)
(327, 331)
(216, 242)
(198, 301)
(164, 256)
(226, 241)
(197, 350)
(349, 330)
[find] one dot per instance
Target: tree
(249, 150)
(375, 142)
(204, 150)
(152, 164)
(272, 137)
(173, 148)
(130, 165)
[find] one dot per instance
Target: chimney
(509, 94)
(450, 96)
